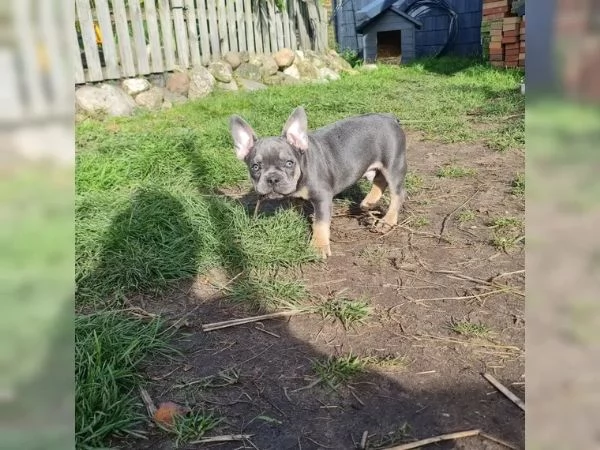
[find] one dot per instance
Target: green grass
(348, 312)
(470, 329)
(508, 232)
(506, 223)
(191, 427)
(149, 212)
(109, 348)
(419, 221)
(337, 371)
(518, 185)
(452, 171)
(466, 216)
(413, 183)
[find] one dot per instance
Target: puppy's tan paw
(323, 250)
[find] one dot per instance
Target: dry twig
(433, 440)
(235, 322)
(224, 438)
(148, 403)
(512, 397)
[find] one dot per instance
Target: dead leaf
(167, 411)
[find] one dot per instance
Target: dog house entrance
(389, 46)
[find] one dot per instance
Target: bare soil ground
(433, 384)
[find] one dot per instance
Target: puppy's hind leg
(374, 195)
(397, 196)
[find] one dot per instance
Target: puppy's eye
(255, 167)
(289, 164)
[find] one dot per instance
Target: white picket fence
(125, 38)
(35, 69)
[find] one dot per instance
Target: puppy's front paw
(322, 249)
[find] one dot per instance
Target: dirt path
(427, 379)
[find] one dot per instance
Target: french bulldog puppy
(320, 164)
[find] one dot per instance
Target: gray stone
(326, 73)
(284, 58)
(134, 86)
(231, 86)
(202, 83)
(269, 66)
(105, 98)
(280, 79)
(292, 71)
(250, 85)
(152, 99)
(248, 71)
(234, 59)
(178, 83)
(174, 98)
(221, 71)
(307, 70)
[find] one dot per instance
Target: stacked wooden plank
(506, 34)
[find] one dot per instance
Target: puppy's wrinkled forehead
(272, 150)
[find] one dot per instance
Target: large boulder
(151, 99)
(250, 85)
(231, 86)
(106, 99)
(280, 78)
(134, 86)
(178, 83)
(306, 69)
(248, 71)
(325, 73)
(284, 58)
(234, 59)
(268, 66)
(174, 98)
(221, 71)
(202, 83)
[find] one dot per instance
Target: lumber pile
(503, 33)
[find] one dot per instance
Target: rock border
(235, 71)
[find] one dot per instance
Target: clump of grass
(348, 312)
(466, 216)
(469, 329)
(267, 290)
(419, 221)
(193, 426)
(394, 437)
(413, 182)
(518, 185)
(388, 362)
(109, 347)
(374, 254)
(336, 371)
(452, 171)
(508, 232)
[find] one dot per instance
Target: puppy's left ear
(295, 129)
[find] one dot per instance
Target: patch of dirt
(405, 277)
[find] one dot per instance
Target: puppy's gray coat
(318, 165)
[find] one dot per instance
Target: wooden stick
(498, 441)
(363, 441)
(235, 322)
(224, 438)
(512, 397)
(433, 440)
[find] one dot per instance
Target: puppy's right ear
(243, 136)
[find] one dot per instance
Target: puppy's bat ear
(243, 136)
(295, 129)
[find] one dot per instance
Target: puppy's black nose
(273, 179)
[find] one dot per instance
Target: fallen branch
(466, 297)
(498, 441)
(433, 440)
(363, 441)
(443, 228)
(224, 438)
(236, 322)
(512, 397)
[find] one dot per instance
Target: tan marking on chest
(301, 193)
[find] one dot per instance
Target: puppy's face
(273, 162)
(273, 166)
